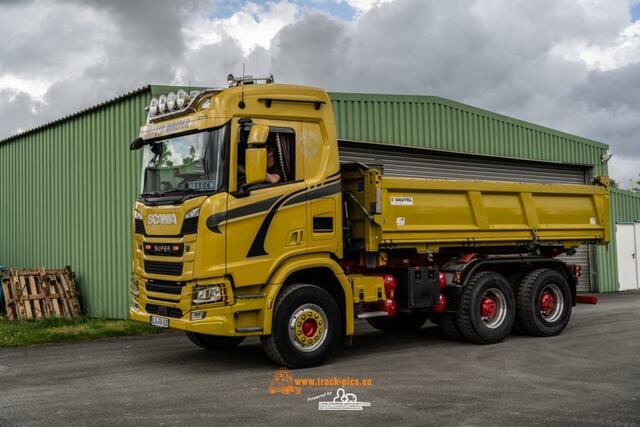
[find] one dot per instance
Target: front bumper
(235, 317)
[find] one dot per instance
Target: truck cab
(213, 239)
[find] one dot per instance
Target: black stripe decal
(257, 247)
(214, 220)
(274, 203)
(317, 193)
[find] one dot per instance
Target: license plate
(160, 322)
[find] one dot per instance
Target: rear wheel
(307, 327)
(544, 302)
(449, 326)
(487, 308)
(213, 342)
(401, 322)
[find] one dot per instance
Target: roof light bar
(174, 104)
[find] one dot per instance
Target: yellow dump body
(427, 214)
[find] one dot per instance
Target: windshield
(193, 163)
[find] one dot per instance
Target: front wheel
(544, 302)
(214, 343)
(307, 327)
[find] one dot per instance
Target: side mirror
(258, 135)
(256, 165)
(137, 143)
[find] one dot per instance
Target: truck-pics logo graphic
(343, 401)
(282, 383)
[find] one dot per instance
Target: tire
(515, 278)
(213, 342)
(303, 313)
(401, 322)
(540, 285)
(449, 326)
(487, 308)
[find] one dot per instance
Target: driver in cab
(273, 173)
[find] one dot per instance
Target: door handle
(296, 237)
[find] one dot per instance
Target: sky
(572, 65)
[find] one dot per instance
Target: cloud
(567, 64)
(18, 110)
(312, 51)
(48, 41)
(252, 26)
(364, 5)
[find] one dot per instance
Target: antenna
(257, 53)
(241, 104)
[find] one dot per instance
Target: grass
(29, 332)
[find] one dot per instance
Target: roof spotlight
(162, 103)
(171, 101)
(153, 106)
(181, 98)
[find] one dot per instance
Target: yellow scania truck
(249, 225)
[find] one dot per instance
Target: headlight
(193, 213)
(171, 100)
(198, 315)
(153, 106)
(181, 98)
(208, 295)
(137, 215)
(162, 103)
(133, 287)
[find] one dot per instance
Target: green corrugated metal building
(67, 187)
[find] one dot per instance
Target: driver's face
(271, 159)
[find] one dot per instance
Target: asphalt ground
(589, 375)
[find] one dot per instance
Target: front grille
(174, 288)
(139, 226)
(190, 226)
(161, 310)
(168, 268)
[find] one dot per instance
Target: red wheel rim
(547, 302)
(488, 308)
(309, 327)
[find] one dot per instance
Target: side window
(281, 150)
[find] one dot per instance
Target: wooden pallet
(40, 294)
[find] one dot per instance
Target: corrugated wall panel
(625, 207)
(67, 195)
(441, 124)
(433, 164)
